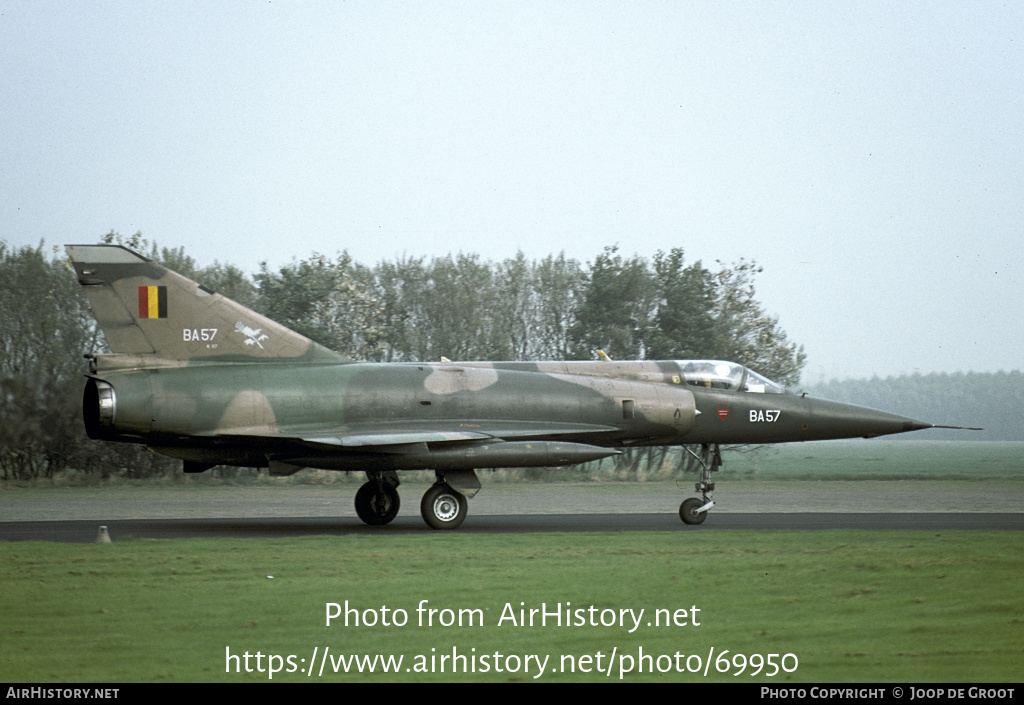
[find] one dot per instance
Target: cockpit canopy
(718, 374)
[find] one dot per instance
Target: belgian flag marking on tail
(152, 302)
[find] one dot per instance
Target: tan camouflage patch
(450, 379)
(245, 408)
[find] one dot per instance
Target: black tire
(688, 511)
(377, 504)
(443, 508)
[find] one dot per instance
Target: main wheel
(377, 503)
(443, 508)
(688, 511)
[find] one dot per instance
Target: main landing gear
(694, 510)
(442, 506)
(377, 501)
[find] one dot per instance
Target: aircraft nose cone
(848, 420)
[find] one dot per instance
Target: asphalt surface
(85, 531)
(74, 515)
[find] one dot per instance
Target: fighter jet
(203, 379)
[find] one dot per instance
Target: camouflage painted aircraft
(198, 377)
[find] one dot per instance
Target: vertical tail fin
(146, 309)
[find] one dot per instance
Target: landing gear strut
(377, 500)
(694, 510)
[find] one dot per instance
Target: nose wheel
(694, 510)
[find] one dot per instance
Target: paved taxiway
(74, 514)
(85, 531)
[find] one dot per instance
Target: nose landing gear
(694, 510)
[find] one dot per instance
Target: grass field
(831, 606)
(846, 606)
(881, 459)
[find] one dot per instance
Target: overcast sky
(869, 155)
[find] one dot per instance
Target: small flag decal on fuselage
(152, 302)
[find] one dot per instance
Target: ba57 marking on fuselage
(196, 376)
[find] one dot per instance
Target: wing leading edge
(448, 432)
(432, 446)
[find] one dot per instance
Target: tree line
(410, 309)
